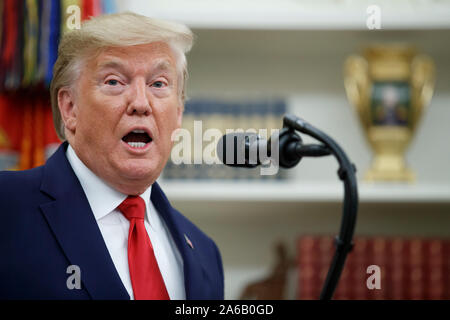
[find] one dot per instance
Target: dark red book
(378, 268)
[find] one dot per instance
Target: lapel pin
(188, 241)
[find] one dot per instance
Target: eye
(158, 84)
(112, 82)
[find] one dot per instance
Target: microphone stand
(290, 154)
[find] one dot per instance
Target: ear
(67, 108)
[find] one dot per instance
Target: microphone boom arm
(346, 173)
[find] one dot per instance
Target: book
(409, 268)
(205, 121)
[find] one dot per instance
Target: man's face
(127, 106)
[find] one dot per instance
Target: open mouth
(137, 139)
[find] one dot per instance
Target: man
(92, 223)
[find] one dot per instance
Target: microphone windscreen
(234, 149)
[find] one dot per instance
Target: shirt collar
(102, 198)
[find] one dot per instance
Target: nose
(139, 103)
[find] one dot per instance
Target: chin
(140, 170)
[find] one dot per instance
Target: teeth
(137, 144)
(138, 131)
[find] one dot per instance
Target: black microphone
(241, 149)
(284, 148)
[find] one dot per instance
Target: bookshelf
(250, 192)
(296, 15)
(296, 50)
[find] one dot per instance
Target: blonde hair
(113, 30)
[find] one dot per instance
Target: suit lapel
(193, 270)
(75, 228)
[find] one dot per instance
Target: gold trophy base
(389, 167)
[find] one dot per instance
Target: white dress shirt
(104, 201)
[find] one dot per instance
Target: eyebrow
(162, 65)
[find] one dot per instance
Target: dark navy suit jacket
(46, 225)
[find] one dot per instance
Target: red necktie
(146, 278)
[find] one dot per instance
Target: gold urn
(389, 86)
